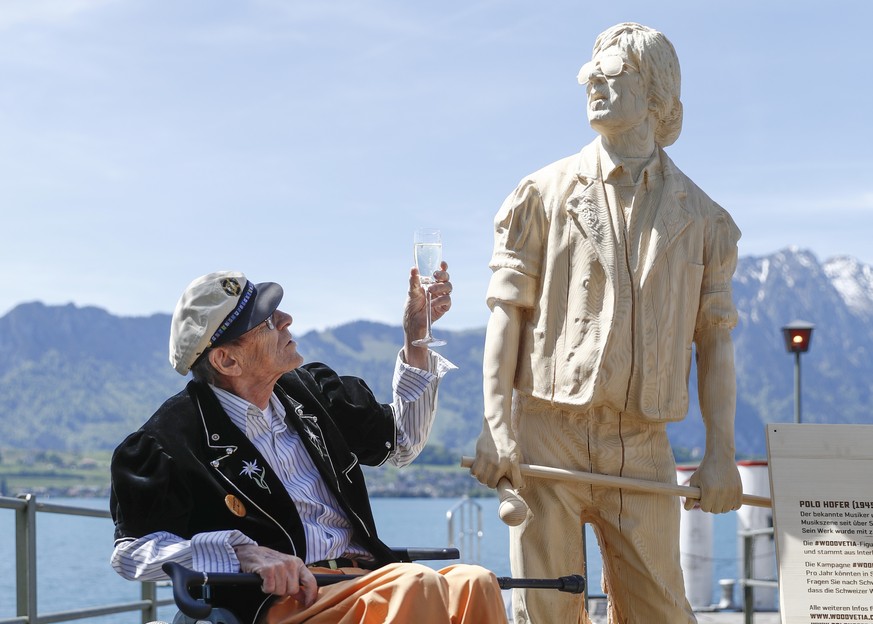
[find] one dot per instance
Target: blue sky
(146, 142)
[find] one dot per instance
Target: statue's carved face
(617, 93)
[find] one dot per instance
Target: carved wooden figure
(610, 268)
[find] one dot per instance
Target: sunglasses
(608, 66)
(271, 325)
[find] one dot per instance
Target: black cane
(573, 583)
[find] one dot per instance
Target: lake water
(73, 552)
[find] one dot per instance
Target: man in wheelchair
(256, 467)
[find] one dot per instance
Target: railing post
(748, 574)
(149, 592)
(25, 559)
(585, 566)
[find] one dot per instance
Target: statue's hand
(497, 455)
(721, 489)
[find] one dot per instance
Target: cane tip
(512, 511)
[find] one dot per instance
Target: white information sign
(821, 484)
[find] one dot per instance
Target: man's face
(269, 348)
(617, 93)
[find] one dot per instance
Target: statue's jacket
(558, 257)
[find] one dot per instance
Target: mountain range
(79, 378)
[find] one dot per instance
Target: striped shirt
(327, 530)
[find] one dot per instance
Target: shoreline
(426, 481)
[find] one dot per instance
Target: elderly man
(255, 467)
(607, 267)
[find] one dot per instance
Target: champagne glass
(428, 257)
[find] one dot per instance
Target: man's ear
(225, 362)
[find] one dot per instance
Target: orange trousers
(402, 593)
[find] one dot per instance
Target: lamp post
(797, 335)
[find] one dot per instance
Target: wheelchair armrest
(185, 579)
(427, 554)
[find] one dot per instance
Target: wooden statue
(609, 266)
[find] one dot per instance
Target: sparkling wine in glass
(428, 256)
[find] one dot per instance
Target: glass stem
(428, 311)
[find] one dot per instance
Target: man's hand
(283, 575)
(415, 312)
(721, 489)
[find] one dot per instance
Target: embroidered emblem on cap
(231, 286)
(250, 289)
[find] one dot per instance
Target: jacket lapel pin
(235, 505)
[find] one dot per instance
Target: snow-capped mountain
(837, 372)
(83, 378)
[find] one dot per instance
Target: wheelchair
(199, 610)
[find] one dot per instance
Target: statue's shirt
(617, 275)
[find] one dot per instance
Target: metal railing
(26, 508)
(467, 535)
(748, 581)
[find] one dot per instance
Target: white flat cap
(215, 309)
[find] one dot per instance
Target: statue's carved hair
(656, 58)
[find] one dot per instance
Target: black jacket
(177, 471)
